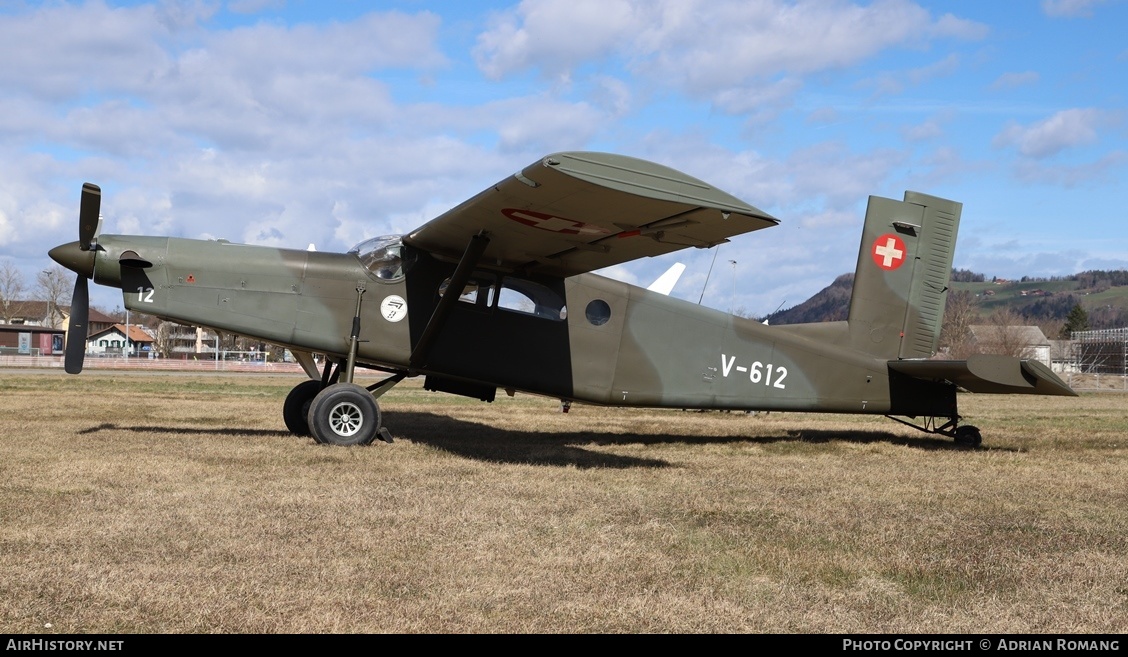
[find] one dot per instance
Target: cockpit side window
(385, 258)
(479, 291)
(531, 298)
(511, 294)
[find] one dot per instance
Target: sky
(286, 123)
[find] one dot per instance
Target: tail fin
(901, 282)
(665, 283)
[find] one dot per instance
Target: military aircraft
(498, 293)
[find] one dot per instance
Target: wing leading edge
(570, 213)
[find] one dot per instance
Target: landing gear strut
(966, 435)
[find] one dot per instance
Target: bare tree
(1003, 335)
(955, 331)
(54, 286)
(11, 289)
(163, 340)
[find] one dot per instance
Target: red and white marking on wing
(553, 223)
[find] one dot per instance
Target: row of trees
(1094, 279)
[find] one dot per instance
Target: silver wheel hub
(346, 419)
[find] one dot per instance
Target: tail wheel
(968, 435)
(344, 414)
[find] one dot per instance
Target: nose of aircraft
(72, 257)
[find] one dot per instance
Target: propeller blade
(76, 328)
(88, 214)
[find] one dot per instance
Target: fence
(154, 364)
(1102, 352)
(1095, 382)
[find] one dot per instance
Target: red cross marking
(552, 223)
(888, 252)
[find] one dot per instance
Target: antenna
(716, 250)
(765, 322)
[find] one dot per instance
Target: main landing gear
(337, 413)
(966, 435)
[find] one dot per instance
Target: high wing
(570, 213)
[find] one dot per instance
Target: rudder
(901, 281)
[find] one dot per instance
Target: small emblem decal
(889, 252)
(393, 308)
(552, 223)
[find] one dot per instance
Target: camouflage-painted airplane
(496, 293)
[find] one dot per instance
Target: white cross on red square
(888, 252)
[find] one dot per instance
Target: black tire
(295, 410)
(969, 436)
(344, 414)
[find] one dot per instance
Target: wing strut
(458, 279)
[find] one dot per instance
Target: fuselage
(586, 338)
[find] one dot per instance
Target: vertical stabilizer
(901, 282)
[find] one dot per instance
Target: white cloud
(1012, 80)
(923, 131)
(958, 28)
(254, 6)
(709, 48)
(1070, 8)
(553, 35)
(246, 88)
(545, 124)
(943, 166)
(891, 83)
(254, 133)
(67, 51)
(1101, 170)
(749, 98)
(612, 95)
(1063, 130)
(840, 177)
(763, 40)
(942, 68)
(828, 219)
(290, 131)
(823, 116)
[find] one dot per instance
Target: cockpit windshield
(385, 257)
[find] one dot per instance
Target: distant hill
(830, 304)
(1039, 301)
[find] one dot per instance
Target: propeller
(88, 214)
(76, 328)
(80, 300)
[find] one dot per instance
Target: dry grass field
(150, 503)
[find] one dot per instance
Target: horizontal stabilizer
(988, 373)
